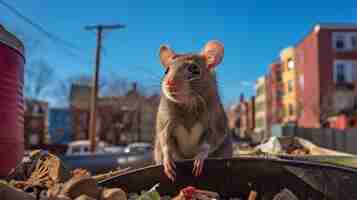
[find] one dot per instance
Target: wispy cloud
(246, 84)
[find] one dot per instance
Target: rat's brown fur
(198, 119)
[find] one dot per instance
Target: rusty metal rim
(5, 35)
(227, 163)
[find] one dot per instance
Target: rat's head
(188, 76)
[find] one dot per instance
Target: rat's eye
(167, 70)
(194, 69)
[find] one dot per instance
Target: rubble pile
(44, 177)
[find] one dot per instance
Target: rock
(285, 194)
(113, 194)
(81, 185)
(84, 197)
(10, 193)
(60, 197)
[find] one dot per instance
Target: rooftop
(335, 26)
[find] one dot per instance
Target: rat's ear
(166, 55)
(213, 52)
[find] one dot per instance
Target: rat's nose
(170, 83)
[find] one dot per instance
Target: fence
(340, 140)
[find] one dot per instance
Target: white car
(139, 147)
(82, 147)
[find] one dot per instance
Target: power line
(71, 49)
(38, 27)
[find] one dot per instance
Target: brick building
(251, 115)
(120, 119)
(326, 60)
(234, 119)
(35, 123)
(277, 92)
(244, 117)
(79, 106)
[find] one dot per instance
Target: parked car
(107, 157)
(138, 147)
(82, 147)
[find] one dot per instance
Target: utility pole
(94, 95)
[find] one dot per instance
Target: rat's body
(191, 122)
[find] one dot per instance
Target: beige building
(262, 107)
(290, 98)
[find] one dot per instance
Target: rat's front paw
(169, 168)
(198, 164)
(198, 167)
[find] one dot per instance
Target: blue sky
(253, 33)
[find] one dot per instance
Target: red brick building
(244, 117)
(234, 118)
(120, 119)
(276, 92)
(326, 61)
(251, 114)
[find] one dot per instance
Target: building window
(301, 80)
(34, 139)
(290, 86)
(340, 41)
(344, 71)
(260, 123)
(279, 76)
(354, 41)
(291, 64)
(259, 107)
(344, 41)
(260, 90)
(340, 70)
(279, 94)
(291, 110)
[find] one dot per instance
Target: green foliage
(152, 194)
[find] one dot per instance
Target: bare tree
(62, 89)
(115, 86)
(325, 107)
(108, 86)
(37, 76)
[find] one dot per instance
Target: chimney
(241, 97)
(134, 86)
(253, 99)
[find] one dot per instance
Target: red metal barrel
(11, 101)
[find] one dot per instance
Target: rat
(191, 122)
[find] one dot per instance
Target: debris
(285, 194)
(79, 172)
(152, 194)
(272, 146)
(190, 192)
(84, 197)
(113, 194)
(9, 193)
(42, 171)
(81, 185)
